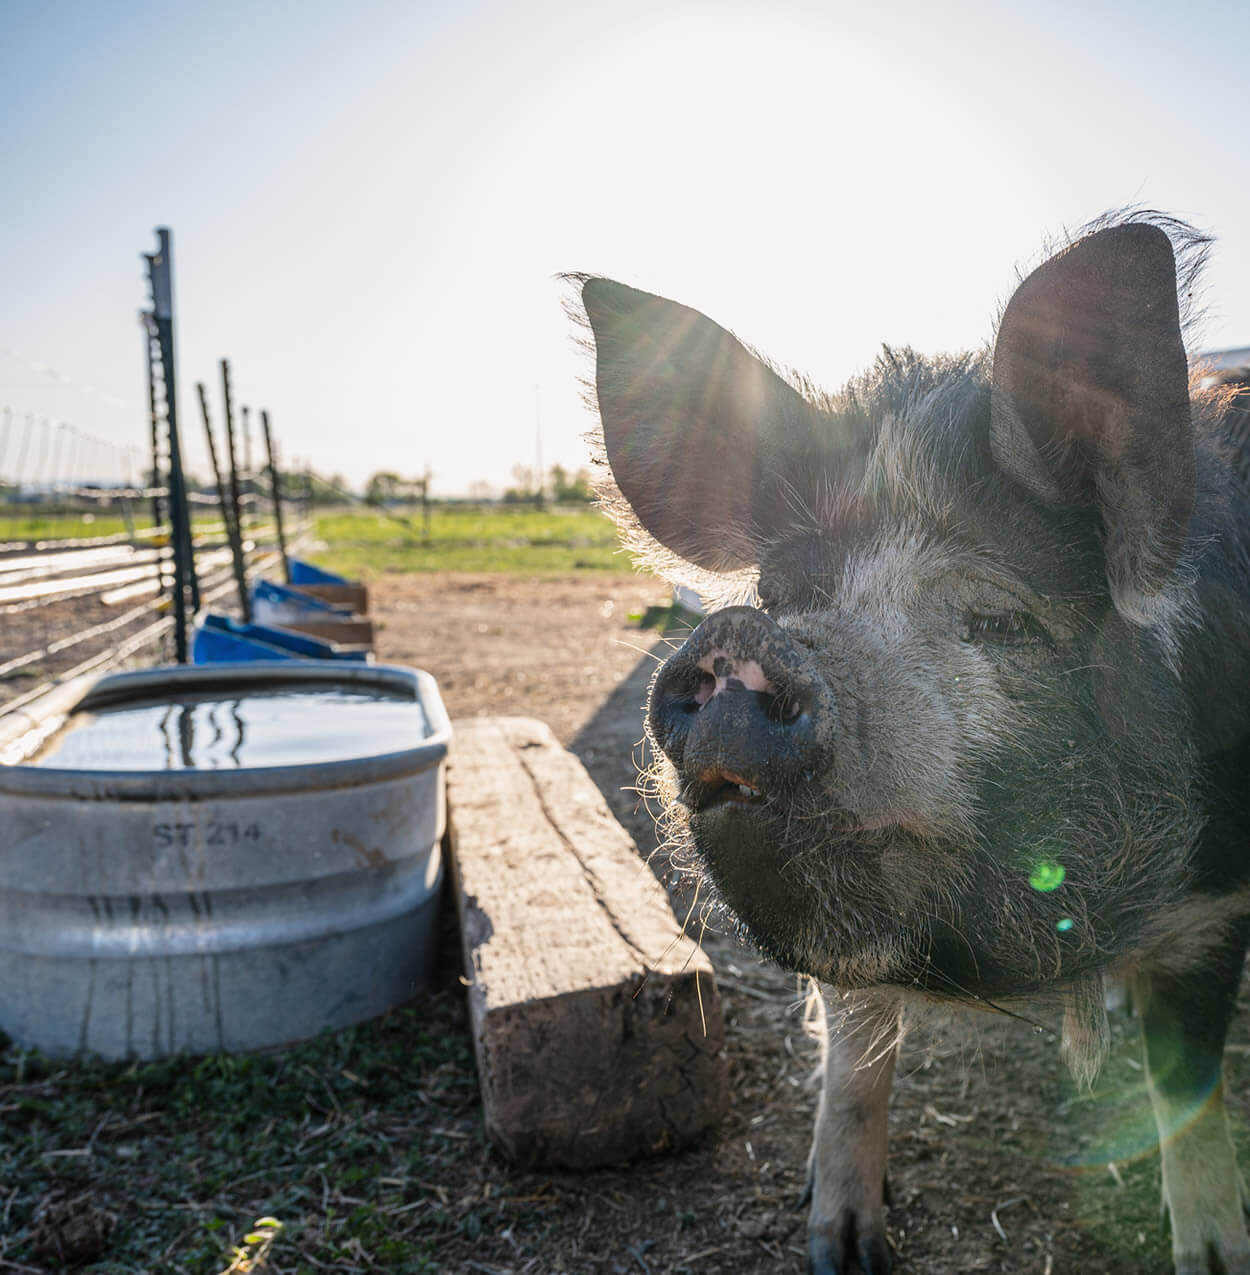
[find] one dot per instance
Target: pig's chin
(848, 938)
(736, 845)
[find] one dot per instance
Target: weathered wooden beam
(352, 632)
(354, 595)
(596, 1022)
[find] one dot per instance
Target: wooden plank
(596, 1022)
(345, 632)
(354, 595)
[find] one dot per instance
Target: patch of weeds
(205, 1250)
(28, 673)
(673, 618)
(437, 1220)
(186, 1150)
(251, 1254)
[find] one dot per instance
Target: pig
(970, 725)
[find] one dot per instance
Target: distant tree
(481, 491)
(525, 491)
(325, 491)
(569, 488)
(383, 487)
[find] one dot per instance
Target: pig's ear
(706, 442)
(1091, 400)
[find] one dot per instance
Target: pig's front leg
(846, 1168)
(1184, 1022)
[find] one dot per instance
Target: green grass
(70, 526)
(330, 1137)
(361, 541)
(77, 526)
(470, 538)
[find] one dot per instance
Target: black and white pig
(980, 729)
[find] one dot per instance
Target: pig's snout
(738, 710)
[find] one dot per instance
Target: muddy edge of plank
(596, 1022)
(354, 632)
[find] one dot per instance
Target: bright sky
(370, 200)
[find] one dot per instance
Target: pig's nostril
(700, 689)
(783, 708)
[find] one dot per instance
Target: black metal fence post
(275, 483)
(246, 425)
(233, 535)
(153, 350)
(232, 460)
(186, 587)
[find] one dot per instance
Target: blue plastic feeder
(277, 604)
(308, 573)
(221, 640)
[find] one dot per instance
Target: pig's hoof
(848, 1247)
(1205, 1211)
(1213, 1258)
(1209, 1264)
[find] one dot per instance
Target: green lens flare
(1046, 876)
(1065, 925)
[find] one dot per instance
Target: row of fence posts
(166, 449)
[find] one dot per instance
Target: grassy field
(16, 527)
(469, 538)
(360, 541)
(37, 525)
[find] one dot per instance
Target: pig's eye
(1004, 628)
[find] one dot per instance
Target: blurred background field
(358, 540)
(559, 538)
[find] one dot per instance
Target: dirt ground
(997, 1162)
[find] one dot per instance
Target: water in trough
(212, 730)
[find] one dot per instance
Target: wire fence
(86, 576)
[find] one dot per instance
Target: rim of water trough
(45, 716)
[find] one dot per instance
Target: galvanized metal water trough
(241, 882)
